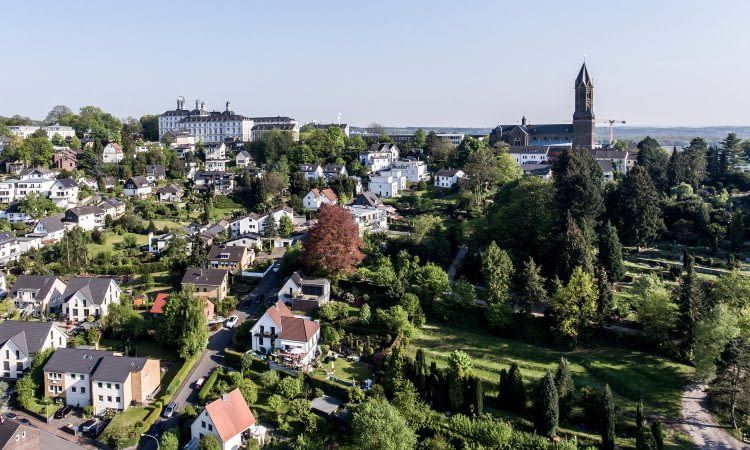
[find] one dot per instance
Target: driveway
(219, 340)
(699, 424)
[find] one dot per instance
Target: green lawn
(349, 371)
(111, 239)
(631, 374)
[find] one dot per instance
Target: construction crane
(612, 129)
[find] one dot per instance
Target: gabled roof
(301, 280)
(385, 147)
(29, 337)
(448, 172)
(67, 183)
(9, 429)
(117, 368)
(277, 311)
(204, 277)
(159, 302)
(223, 253)
(78, 360)
(333, 168)
(309, 167)
(116, 146)
(608, 154)
(230, 415)
(297, 329)
(85, 210)
(169, 189)
(367, 199)
(52, 223)
(156, 170)
(139, 181)
(93, 289)
(244, 154)
(40, 283)
(327, 193)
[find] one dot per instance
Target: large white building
(379, 156)
(294, 337)
(209, 127)
(27, 130)
(414, 170)
(388, 183)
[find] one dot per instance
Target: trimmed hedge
(152, 417)
(208, 386)
(329, 387)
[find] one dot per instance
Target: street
(217, 342)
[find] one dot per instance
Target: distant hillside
(667, 136)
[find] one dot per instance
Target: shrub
(208, 385)
(289, 387)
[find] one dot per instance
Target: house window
(18, 354)
(117, 386)
(109, 398)
(101, 398)
(73, 389)
(80, 377)
(72, 376)
(99, 385)
(203, 424)
(210, 427)
(109, 385)
(117, 399)
(83, 390)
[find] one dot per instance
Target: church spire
(584, 79)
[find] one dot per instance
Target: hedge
(329, 387)
(208, 385)
(152, 417)
(179, 377)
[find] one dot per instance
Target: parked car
(88, 425)
(169, 410)
(97, 429)
(231, 322)
(11, 415)
(62, 412)
(24, 421)
(276, 267)
(199, 382)
(70, 428)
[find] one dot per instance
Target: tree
(198, 253)
(497, 269)
(37, 206)
(532, 292)
(737, 229)
(711, 336)
(73, 251)
(654, 160)
(607, 414)
(640, 418)
(191, 320)
(546, 407)
(656, 311)
(731, 387)
(269, 227)
(512, 390)
(209, 442)
(639, 211)
(169, 441)
(333, 243)
(578, 187)
(690, 296)
(286, 227)
(420, 139)
(610, 252)
(731, 150)
(56, 114)
(377, 425)
(150, 127)
(249, 390)
(573, 305)
(565, 386)
(644, 440)
(657, 430)
(606, 304)
(575, 250)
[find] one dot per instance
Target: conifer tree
(546, 406)
(690, 297)
(737, 229)
(565, 387)
(657, 430)
(607, 415)
(605, 305)
(516, 398)
(532, 290)
(640, 418)
(610, 252)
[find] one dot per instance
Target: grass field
(349, 371)
(632, 375)
(111, 240)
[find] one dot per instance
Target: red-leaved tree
(333, 243)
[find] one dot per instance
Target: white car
(231, 322)
(276, 267)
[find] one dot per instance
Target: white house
(369, 219)
(447, 178)
(387, 183)
(89, 296)
(21, 340)
(312, 171)
(12, 247)
(333, 171)
(414, 170)
(379, 156)
(138, 187)
(170, 193)
(620, 160)
(317, 198)
(228, 419)
(89, 217)
(250, 241)
(295, 338)
(64, 192)
(49, 229)
(155, 172)
(305, 293)
(256, 223)
(112, 153)
(36, 293)
(243, 159)
(529, 155)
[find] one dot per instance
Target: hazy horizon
(668, 64)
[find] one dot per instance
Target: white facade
(27, 130)
(448, 178)
(109, 395)
(77, 389)
(206, 126)
(414, 171)
(243, 159)
(77, 307)
(216, 165)
(317, 198)
(16, 189)
(530, 155)
(388, 183)
(15, 360)
(369, 219)
(312, 172)
(64, 194)
(112, 153)
(379, 157)
(266, 336)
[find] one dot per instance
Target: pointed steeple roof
(584, 79)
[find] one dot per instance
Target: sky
(398, 63)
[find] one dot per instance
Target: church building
(581, 133)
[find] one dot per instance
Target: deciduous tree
(377, 425)
(333, 243)
(573, 305)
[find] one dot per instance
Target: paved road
(218, 341)
(51, 436)
(699, 424)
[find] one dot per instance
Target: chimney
(197, 104)
(227, 105)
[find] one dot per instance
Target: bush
(289, 387)
(208, 385)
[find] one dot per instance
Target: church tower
(584, 130)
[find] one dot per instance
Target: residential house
(305, 293)
(155, 173)
(229, 420)
(89, 217)
(112, 153)
(543, 171)
(103, 379)
(12, 247)
(209, 283)
(414, 170)
(14, 214)
(89, 297)
(244, 159)
(379, 156)
(38, 173)
(21, 340)
(49, 229)
(222, 182)
(608, 170)
(88, 182)
(317, 198)
(295, 338)
(112, 207)
(251, 223)
(161, 301)
(37, 293)
(367, 199)
(250, 241)
(65, 159)
(235, 259)
(216, 159)
(64, 192)
(15, 435)
(170, 193)
(333, 171)
(387, 183)
(447, 178)
(369, 219)
(291, 128)
(138, 187)
(311, 171)
(109, 183)
(619, 159)
(158, 243)
(530, 154)
(15, 189)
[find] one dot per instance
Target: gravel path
(701, 427)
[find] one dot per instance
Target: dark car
(62, 412)
(97, 429)
(25, 421)
(11, 415)
(88, 425)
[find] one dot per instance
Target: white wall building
(414, 171)
(21, 340)
(206, 126)
(387, 183)
(447, 178)
(89, 296)
(369, 219)
(112, 153)
(292, 336)
(379, 156)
